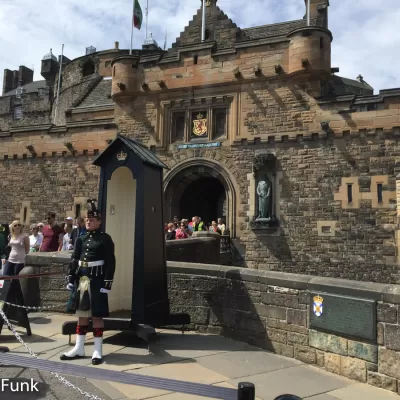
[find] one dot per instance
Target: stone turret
(318, 12)
(310, 46)
(49, 67)
(124, 77)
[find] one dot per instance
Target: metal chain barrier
(59, 377)
(6, 277)
(11, 277)
(30, 307)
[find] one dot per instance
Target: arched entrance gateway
(202, 188)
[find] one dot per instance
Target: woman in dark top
(171, 234)
(4, 239)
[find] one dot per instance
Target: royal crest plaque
(200, 124)
(350, 316)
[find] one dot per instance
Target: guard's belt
(86, 264)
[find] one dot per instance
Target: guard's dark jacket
(94, 246)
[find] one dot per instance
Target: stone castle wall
(320, 234)
(36, 110)
(45, 184)
(270, 310)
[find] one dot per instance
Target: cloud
(365, 34)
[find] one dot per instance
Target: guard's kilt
(98, 306)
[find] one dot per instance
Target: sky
(365, 36)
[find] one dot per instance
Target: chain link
(59, 377)
(30, 307)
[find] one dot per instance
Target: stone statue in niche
(264, 193)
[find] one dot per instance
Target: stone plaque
(345, 315)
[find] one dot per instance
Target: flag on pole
(137, 15)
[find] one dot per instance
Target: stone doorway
(200, 188)
(204, 197)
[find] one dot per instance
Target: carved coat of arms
(200, 125)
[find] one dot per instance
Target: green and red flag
(137, 15)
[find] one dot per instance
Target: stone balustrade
(272, 310)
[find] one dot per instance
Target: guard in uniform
(92, 270)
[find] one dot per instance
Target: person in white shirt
(35, 239)
(221, 226)
(67, 243)
(40, 226)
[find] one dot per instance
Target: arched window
(88, 68)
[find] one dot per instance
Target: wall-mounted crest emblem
(200, 125)
(121, 156)
(318, 306)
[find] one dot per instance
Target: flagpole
(59, 83)
(203, 22)
(133, 23)
(308, 13)
(147, 16)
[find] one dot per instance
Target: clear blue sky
(366, 39)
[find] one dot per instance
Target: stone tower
(310, 46)
(318, 12)
(125, 84)
(49, 68)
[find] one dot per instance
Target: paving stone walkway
(192, 357)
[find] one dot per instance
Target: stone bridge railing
(202, 247)
(273, 310)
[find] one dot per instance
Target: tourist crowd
(183, 229)
(15, 244)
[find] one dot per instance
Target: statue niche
(264, 171)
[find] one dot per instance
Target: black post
(246, 391)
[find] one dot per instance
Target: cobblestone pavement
(190, 357)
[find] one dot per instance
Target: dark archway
(204, 197)
(88, 68)
(203, 188)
